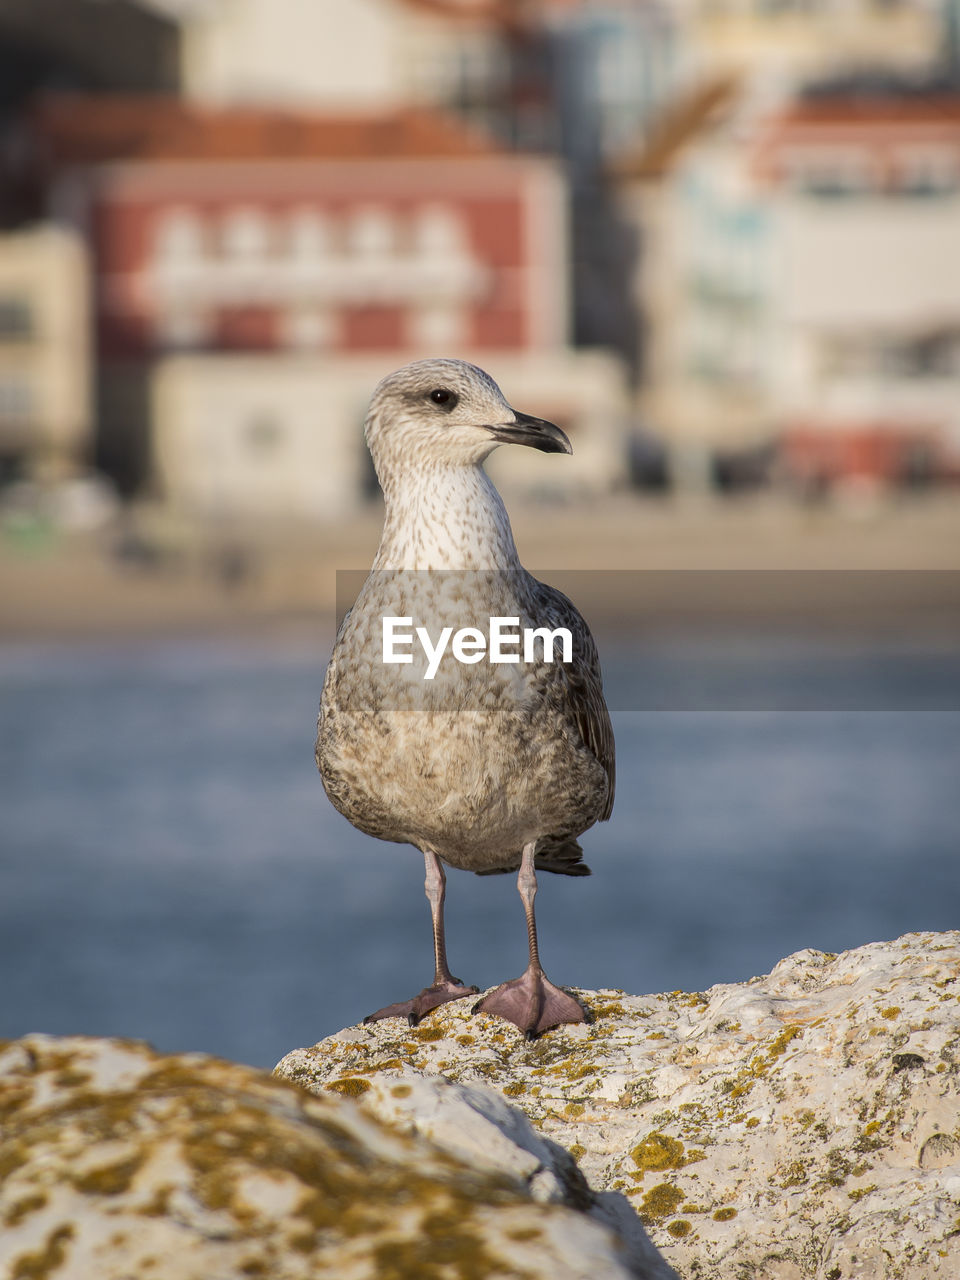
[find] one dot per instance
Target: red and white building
(247, 230)
(813, 293)
(257, 257)
(867, 200)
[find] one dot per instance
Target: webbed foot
(429, 998)
(533, 1003)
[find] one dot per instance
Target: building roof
(871, 109)
(874, 122)
(92, 129)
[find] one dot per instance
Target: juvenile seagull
(487, 767)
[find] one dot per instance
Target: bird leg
(445, 986)
(531, 1002)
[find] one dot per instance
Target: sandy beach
(662, 563)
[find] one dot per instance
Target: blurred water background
(172, 869)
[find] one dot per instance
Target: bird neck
(448, 517)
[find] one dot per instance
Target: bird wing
(583, 683)
(329, 678)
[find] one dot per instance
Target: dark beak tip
(557, 441)
(536, 433)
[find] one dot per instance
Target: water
(171, 869)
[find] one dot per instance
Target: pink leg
(531, 1002)
(445, 986)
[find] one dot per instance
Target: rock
(117, 1162)
(476, 1125)
(802, 1124)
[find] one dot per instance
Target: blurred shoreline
(280, 583)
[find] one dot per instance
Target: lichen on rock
(116, 1161)
(804, 1125)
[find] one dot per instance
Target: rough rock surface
(803, 1124)
(117, 1162)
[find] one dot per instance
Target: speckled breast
(472, 783)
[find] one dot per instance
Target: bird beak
(534, 432)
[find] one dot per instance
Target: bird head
(448, 413)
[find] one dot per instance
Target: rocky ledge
(122, 1164)
(802, 1124)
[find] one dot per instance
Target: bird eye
(441, 396)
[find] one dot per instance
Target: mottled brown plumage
(486, 767)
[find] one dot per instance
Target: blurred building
(866, 206)
(45, 410)
(278, 436)
(575, 79)
(323, 54)
(540, 74)
(257, 271)
(807, 288)
(779, 44)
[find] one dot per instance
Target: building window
(930, 173)
(933, 355)
(16, 319)
(309, 328)
(438, 327)
(264, 435)
(178, 236)
(371, 232)
(832, 174)
(439, 231)
(308, 234)
(182, 327)
(245, 234)
(16, 400)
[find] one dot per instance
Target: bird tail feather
(563, 857)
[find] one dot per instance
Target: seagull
(483, 766)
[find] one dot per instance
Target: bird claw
(429, 998)
(533, 1004)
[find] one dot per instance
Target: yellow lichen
(514, 1090)
(658, 1151)
(349, 1087)
(522, 1234)
(795, 1175)
(660, 1202)
(680, 1228)
(859, 1192)
(614, 1010)
(109, 1180)
(37, 1266)
(779, 1045)
(725, 1214)
(21, 1208)
(891, 1013)
(581, 1070)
